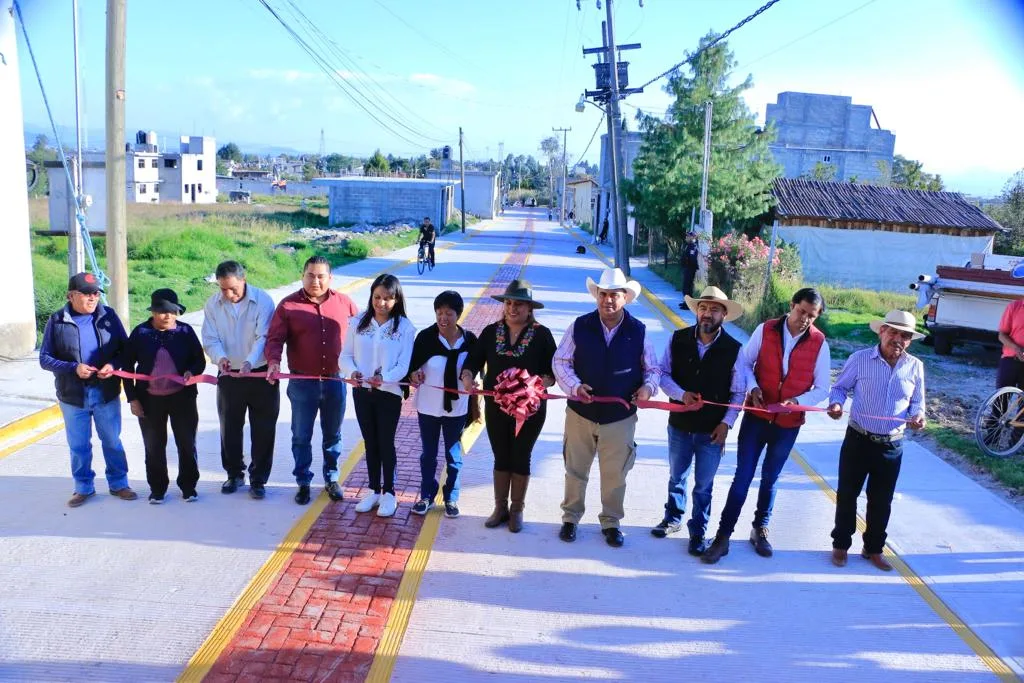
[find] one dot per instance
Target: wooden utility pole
(76, 245)
(462, 182)
(117, 209)
(565, 133)
(621, 235)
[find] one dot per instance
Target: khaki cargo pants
(615, 449)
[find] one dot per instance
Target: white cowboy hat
(897, 320)
(733, 309)
(611, 279)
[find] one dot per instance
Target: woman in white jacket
(377, 354)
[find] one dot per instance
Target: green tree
(310, 171)
(230, 152)
(822, 171)
(377, 163)
(40, 153)
(667, 173)
(910, 175)
(1009, 212)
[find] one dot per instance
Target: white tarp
(877, 259)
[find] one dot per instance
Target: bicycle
(423, 260)
(999, 425)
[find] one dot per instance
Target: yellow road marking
(31, 428)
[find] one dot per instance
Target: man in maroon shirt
(312, 322)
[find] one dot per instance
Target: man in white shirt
(786, 361)
(235, 326)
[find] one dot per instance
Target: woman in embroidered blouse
(377, 353)
(515, 341)
(438, 356)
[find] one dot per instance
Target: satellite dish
(1018, 270)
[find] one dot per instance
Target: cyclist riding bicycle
(428, 236)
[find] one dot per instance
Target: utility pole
(704, 240)
(117, 210)
(76, 247)
(565, 134)
(616, 148)
(501, 177)
(462, 182)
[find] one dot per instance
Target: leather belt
(875, 438)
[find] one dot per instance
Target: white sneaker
(368, 502)
(388, 505)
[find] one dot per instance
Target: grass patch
(314, 201)
(1007, 471)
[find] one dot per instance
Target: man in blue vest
(699, 363)
(604, 353)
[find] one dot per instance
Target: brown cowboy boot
(502, 481)
(519, 485)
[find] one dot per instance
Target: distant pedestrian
(786, 361)
(313, 323)
(885, 381)
(515, 341)
(377, 351)
(1011, 335)
(82, 346)
(699, 363)
(438, 356)
(689, 262)
(604, 353)
(235, 324)
(164, 345)
(428, 238)
(603, 237)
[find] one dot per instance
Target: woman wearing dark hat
(163, 345)
(515, 341)
(438, 356)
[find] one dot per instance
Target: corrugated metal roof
(878, 203)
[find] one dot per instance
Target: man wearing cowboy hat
(699, 363)
(603, 353)
(886, 382)
(786, 361)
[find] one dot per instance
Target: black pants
(377, 413)
(511, 452)
(1010, 373)
(688, 276)
(180, 409)
(237, 396)
(860, 458)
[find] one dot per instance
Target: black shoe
(698, 546)
(568, 532)
(232, 484)
(334, 491)
(451, 509)
(665, 528)
(302, 497)
(257, 491)
(759, 539)
(719, 549)
(613, 537)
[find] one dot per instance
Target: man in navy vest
(699, 363)
(785, 362)
(603, 353)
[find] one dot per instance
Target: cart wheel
(993, 427)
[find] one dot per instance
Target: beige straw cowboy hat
(733, 309)
(897, 320)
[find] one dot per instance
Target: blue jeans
(431, 429)
(683, 449)
(308, 397)
(757, 435)
(78, 429)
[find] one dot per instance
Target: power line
(699, 52)
(592, 137)
(423, 35)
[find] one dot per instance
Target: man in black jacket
(689, 261)
(82, 345)
(699, 363)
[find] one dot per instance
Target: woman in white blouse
(377, 353)
(437, 359)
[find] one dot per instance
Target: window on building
(200, 188)
(170, 163)
(186, 189)
(827, 158)
(142, 188)
(152, 163)
(199, 164)
(142, 163)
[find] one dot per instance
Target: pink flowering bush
(737, 265)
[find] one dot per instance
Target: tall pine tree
(667, 173)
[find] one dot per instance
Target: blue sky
(946, 76)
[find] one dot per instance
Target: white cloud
(442, 84)
(282, 75)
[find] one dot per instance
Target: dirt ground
(955, 387)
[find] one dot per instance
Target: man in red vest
(786, 362)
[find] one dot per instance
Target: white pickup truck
(965, 304)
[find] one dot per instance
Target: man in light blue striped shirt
(887, 385)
